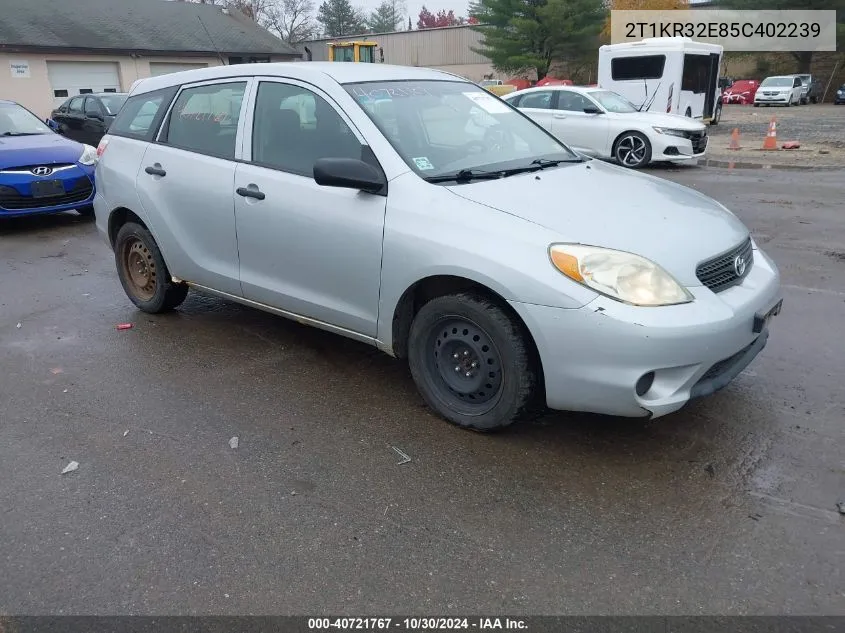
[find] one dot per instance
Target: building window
(60, 93)
(85, 91)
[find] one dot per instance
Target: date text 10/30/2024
(416, 624)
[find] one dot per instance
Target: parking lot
(727, 507)
(819, 128)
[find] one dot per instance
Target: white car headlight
(619, 275)
(671, 132)
(89, 155)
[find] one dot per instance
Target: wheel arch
(428, 288)
(120, 216)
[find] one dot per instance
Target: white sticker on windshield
(487, 101)
(423, 163)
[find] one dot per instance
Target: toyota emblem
(42, 171)
(739, 266)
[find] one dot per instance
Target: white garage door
(72, 78)
(163, 68)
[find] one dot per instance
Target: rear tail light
(101, 148)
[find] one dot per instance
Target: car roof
(581, 89)
(7, 102)
(341, 72)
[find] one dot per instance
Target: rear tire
(472, 363)
(143, 273)
(718, 115)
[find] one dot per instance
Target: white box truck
(665, 74)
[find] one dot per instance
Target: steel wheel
(633, 150)
(139, 269)
(465, 365)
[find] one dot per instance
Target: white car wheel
(633, 150)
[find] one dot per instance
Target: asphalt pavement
(727, 507)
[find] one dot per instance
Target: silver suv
(413, 210)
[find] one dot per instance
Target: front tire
(632, 150)
(472, 363)
(143, 273)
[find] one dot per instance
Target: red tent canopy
(519, 84)
(553, 81)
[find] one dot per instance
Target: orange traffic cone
(735, 139)
(771, 141)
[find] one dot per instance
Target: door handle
(559, 116)
(155, 170)
(251, 192)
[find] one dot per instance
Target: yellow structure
(501, 90)
(352, 52)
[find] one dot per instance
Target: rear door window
(639, 67)
(539, 100)
(204, 119)
(142, 114)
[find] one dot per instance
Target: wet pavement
(727, 507)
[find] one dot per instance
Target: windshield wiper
(538, 164)
(21, 134)
(465, 175)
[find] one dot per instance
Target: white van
(665, 74)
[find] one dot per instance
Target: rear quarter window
(141, 115)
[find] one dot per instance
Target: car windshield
(777, 82)
(613, 102)
(113, 104)
(441, 127)
(18, 121)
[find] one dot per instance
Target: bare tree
(292, 20)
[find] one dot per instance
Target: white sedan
(604, 124)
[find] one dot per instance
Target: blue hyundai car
(41, 171)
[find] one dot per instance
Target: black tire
(494, 380)
(135, 248)
(717, 116)
(86, 212)
(756, 105)
(632, 150)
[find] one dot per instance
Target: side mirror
(349, 173)
(592, 110)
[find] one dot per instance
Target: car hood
(604, 205)
(775, 88)
(660, 119)
(41, 149)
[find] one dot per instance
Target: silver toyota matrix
(413, 210)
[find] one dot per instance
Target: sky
(413, 7)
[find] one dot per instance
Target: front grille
(13, 200)
(29, 168)
(699, 142)
(720, 272)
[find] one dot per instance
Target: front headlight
(671, 132)
(619, 275)
(89, 155)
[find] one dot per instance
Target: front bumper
(594, 356)
(16, 199)
(665, 147)
(758, 98)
